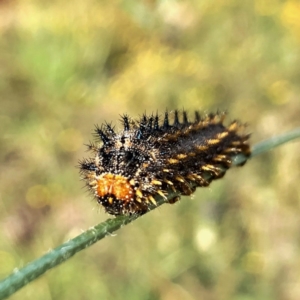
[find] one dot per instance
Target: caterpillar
(151, 156)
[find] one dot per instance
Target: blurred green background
(68, 65)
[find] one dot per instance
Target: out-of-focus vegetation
(67, 65)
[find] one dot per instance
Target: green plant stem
(33, 270)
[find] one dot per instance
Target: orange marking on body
(213, 142)
(233, 126)
(168, 182)
(181, 156)
(115, 185)
(234, 150)
(236, 143)
(201, 148)
(191, 177)
(222, 135)
(156, 182)
(152, 200)
(162, 194)
(145, 165)
(180, 179)
(139, 193)
(173, 161)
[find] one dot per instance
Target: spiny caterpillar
(150, 157)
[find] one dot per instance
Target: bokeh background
(68, 65)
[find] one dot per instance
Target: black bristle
(185, 118)
(125, 120)
(104, 138)
(143, 123)
(150, 122)
(211, 116)
(166, 121)
(110, 129)
(197, 116)
(87, 165)
(176, 118)
(142, 127)
(156, 122)
(91, 146)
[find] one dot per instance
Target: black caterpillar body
(150, 157)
